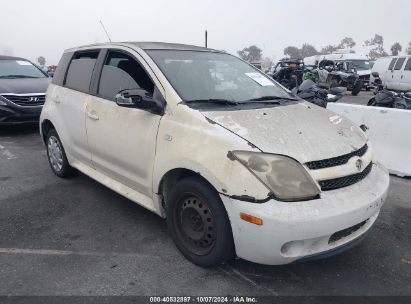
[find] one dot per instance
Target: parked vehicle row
(347, 62)
(236, 164)
(22, 90)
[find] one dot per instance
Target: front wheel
(356, 88)
(198, 223)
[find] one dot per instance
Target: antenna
(206, 38)
(102, 25)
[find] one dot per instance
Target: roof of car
(3, 57)
(151, 46)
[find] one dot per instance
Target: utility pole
(206, 38)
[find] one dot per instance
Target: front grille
(346, 232)
(344, 181)
(365, 77)
(336, 161)
(29, 100)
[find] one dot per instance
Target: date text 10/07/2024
(187, 299)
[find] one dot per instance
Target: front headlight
(285, 177)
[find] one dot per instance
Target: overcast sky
(47, 27)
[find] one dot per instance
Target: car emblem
(34, 99)
(358, 164)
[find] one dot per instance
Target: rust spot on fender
(252, 145)
(230, 156)
(210, 121)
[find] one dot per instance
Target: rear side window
(399, 63)
(58, 77)
(121, 72)
(391, 66)
(408, 65)
(80, 70)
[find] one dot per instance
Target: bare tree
(396, 49)
(378, 50)
(251, 53)
(305, 51)
(328, 49)
(42, 61)
(308, 50)
(292, 51)
(347, 42)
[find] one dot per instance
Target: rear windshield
(19, 69)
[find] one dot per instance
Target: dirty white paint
(388, 131)
(307, 225)
(305, 133)
(130, 151)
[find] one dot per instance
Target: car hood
(24, 85)
(302, 130)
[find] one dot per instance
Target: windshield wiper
(213, 100)
(17, 76)
(274, 99)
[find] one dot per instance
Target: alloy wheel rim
(55, 153)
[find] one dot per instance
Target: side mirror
(375, 74)
(138, 98)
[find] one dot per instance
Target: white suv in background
(235, 163)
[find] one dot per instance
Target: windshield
(197, 75)
(19, 69)
(358, 64)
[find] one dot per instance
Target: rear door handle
(92, 115)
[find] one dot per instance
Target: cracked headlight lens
(286, 178)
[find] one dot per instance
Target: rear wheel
(57, 156)
(198, 223)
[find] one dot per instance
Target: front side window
(80, 70)
(399, 63)
(11, 68)
(122, 72)
(203, 75)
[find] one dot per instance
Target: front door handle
(92, 115)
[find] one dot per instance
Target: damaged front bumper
(296, 230)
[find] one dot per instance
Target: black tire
(357, 88)
(63, 169)
(198, 223)
(371, 102)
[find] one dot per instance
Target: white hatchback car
(234, 162)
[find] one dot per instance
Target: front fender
(187, 140)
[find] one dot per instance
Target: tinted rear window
(399, 63)
(80, 71)
(408, 65)
(391, 66)
(58, 77)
